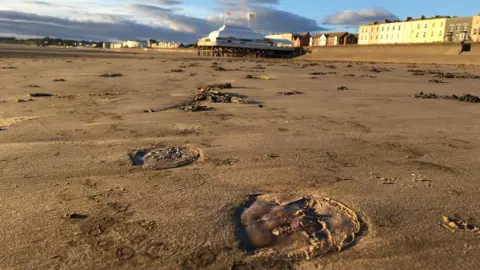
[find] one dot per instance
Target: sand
(71, 198)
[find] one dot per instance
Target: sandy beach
(71, 198)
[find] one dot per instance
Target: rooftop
(332, 34)
(409, 19)
(231, 31)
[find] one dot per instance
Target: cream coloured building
(369, 34)
(165, 45)
(363, 35)
(391, 33)
(116, 45)
(131, 44)
(475, 34)
(421, 30)
(425, 30)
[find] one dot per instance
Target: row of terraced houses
(421, 30)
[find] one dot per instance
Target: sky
(187, 20)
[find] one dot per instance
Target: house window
(381, 36)
(441, 24)
(378, 28)
(370, 37)
(388, 28)
(418, 26)
(433, 24)
(432, 33)
(376, 37)
(475, 31)
(386, 36)
(399, 27)
(383, 28)
(393, 28)
(441, 33)
(426, 25)
(424, 34)
(417, 35)
(458, 27)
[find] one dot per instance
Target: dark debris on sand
(464, 97)
(417, 73)
(41, 95)
(214, 93)
(436, 81)
(113, 75)
(21, 100)
(443, 75)
(456, 224)
(342, 88)
(291, 93)
(378, 70)
(323, 73)
(211, 92)
(75, 216)
(217, 68)
(448, 75)
(369, 76)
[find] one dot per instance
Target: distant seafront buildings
(142, 44)
(421, 30)
(437, 29)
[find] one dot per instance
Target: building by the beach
(476, 28)
(239, 41)
(435, 29)
(334, 39)
(131, 44)
(298, 39)
(163, 44)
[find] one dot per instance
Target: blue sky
(187, 20)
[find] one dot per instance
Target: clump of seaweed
(464, 97)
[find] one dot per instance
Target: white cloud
(359, 17)
(268, 19)
(165, 2)
(135, 19)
